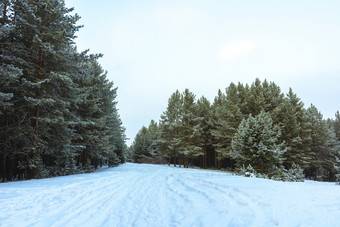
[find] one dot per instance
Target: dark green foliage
(226, 116)
(256, 143)
(202, 130)
(190, 132)
(324, 146)
(181, 127)
(295, 131)
(295, 173)
(336, 126)
(170, 126)
(99, 130)
(154, 134)
(248, 171)
(46, 87)
(145, 146)
(255, 126)
(142, 145)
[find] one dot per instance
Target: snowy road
(153, 195)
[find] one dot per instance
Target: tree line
(253, 129)
(58, 111)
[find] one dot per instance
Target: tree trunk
(175, 161)
(215, 159)
(78, 159)
(10, 174)
(96, 163)
(205, 157)
(201, 162)
(3, 166)
(84, 159)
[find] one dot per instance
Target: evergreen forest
(59, 116)
(255, 130)
(58, 111)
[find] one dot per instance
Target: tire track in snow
(74, 201)
(91, 206)
(220, 198)
(177, 200)
(149, 195)
(241, 198)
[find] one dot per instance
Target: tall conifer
(323, 146)
(171, 125)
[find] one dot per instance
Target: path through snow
(158, 195)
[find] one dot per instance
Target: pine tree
(145, 147)
(295, 133)
(202, 131)
(112, 133)
(256, 143)
(9, 75)
(256, 98)
(274, 99)
(99, 130)
(155, 150)
(41, 34)
(188, 135)
(170, 127)
(226, 118)
(266, 96)
(141, 145)
(43, 91)
(242, 99)
(324, 146)
(118, 140)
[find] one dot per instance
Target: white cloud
(236, 50)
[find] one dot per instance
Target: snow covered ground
(158, 195)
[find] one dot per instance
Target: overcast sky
(153, 47)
